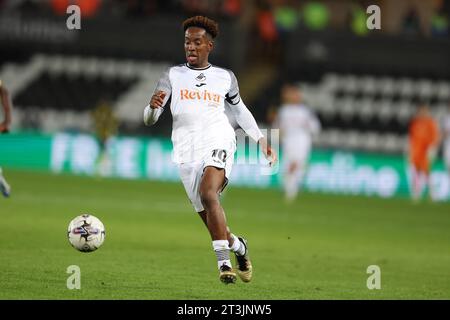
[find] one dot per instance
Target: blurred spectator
(88, 8)
(411, 23)
(231, 8)
(266, 26)
(412, 17)
(286, 18)
(439, 26)
(439, 20)
(267, 30)
(315, 15)
(358, 16)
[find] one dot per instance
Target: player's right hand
(268, 152)
(157, 100)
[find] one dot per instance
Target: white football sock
(237, 247)
(222, 252)
(291, 186)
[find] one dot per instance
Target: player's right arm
(4, 126)
(158, 100)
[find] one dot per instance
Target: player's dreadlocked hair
(211, 26)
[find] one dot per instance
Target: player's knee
(208, 197)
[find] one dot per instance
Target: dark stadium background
(363, 84)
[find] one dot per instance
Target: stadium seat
(72, 83)
(443, 91)
(424, 87)
(330, 82)
(405, 87)
(366, 109)
(368, 85)
(404, 111)
(385, 110)
(387, 87)
(349, 83)
(352, 140)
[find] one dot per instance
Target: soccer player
(203, 139)
(4, 128)
(423, 144)
(106, 124)
(297, 125)
(446, 140)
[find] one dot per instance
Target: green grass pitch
(157, 248)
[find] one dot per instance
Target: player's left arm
(246, 120)
(5, 101)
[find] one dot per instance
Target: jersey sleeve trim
(233, 97)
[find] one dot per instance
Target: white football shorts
(298, 154)
(191, 173)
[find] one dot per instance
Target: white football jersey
(297, 124)
(198, 101)
(297, 120)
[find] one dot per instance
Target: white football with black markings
(86, 233)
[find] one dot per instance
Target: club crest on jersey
(200, 77)
(186, 94)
